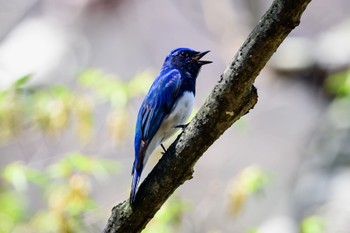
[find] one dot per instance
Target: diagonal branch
(232, 97)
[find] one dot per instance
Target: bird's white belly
(178, 116)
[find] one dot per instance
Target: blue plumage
(169, 103)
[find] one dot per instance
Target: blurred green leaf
(84, 115)
(50, 112)
(338, 83)
(66, 183)
(100, 168)
(37, 177)
(15, 174)
(107, 87)
(62, 168)
(140, 84)
(313, 224)
(11, 114)
(19, 175)
(54, 109)
(254, 178)
(19, 83)
(84, 163)
(90, 77)
(80, 162)
(251, 180)
(79, 206)
(46, 221)
(168, 218)
(61, 91)
(11, 211)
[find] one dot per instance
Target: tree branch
(232, 97)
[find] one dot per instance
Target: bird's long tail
(135, 181)
(137, 169)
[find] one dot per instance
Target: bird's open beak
(199, 55)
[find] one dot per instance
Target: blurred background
(73, 75)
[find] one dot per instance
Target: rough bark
(232, 97)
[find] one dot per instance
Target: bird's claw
(164, 150)
(182, 127)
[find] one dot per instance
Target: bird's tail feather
(135, 180)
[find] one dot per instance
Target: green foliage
(168, 218)
(112, 89)
(57, 108)
(107, 87)
(52, 107)
(65, 186)
(21, 82)
(339, 83)
(12, 208)
(249, 181)
(253, 231)
(99, 168)
(19, 175)
(11, 111)
(66, 189)
(50, 110)
(66, 194)
(313, 224)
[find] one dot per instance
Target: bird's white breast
(178, 116)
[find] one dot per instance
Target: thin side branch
(232, 97)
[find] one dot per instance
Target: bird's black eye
(183, 54)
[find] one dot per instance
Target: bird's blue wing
(159, 103)
(155, 107)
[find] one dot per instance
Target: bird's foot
(164, 150)
(182, 127)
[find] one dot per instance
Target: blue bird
(166, 107)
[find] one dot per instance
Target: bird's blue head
(185, 59)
